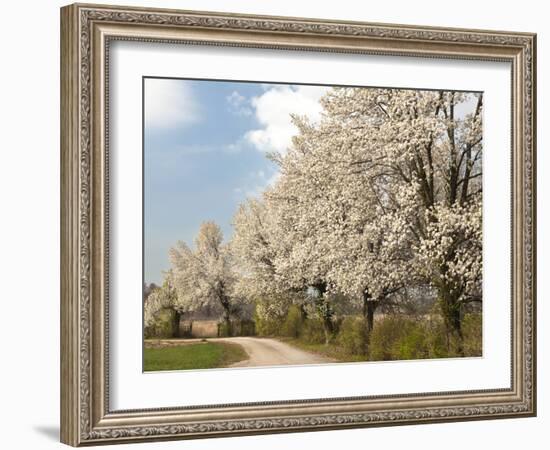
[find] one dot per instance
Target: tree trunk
(323, 306)
(369, 306)
(452, 316)
(329, 326)
(456, 327)
(303, 312)
(449, 294)
(176, 324)
(225, 302)
(227, 321)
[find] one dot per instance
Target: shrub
(246, 327)
(444, 345)
(412, 343)
(396, 338)
(164, 325)
(225, 329)
(352, 335)
(267, 326)
(313, 331)
(399, 338)
(472, 331)
(237, 327)
(436, 338)
(383, 338)
(292, 325)
(337, 322)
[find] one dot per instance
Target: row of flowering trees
(382, 194)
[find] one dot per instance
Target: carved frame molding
(86, 31)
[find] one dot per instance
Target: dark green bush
(237, 327)
(247, 327)
(352, 335)
(225, 329)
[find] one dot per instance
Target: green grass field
(202, 355)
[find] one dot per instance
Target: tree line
(382, 196)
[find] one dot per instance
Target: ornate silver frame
(86, 31)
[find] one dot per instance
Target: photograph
(288, 223)
(294, 224)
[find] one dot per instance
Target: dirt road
(270, 352)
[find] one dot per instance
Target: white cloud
(169, 104)
(273, 108)
(238, 104)
(256, 183)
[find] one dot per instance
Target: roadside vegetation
(393, 337)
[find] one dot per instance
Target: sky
(205, 146)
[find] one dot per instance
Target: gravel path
(271, 352)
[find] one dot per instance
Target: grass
(202, 355)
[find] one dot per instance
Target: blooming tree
(384, 192)
(330, 213)
(397, 176)
(259, 248)
(160, 298)
(205, 276)
(256, 245)
(427, 145)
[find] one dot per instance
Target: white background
(29, 225)
(132, 389)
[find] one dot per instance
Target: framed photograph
(278, 224)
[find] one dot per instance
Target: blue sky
(205, 145)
